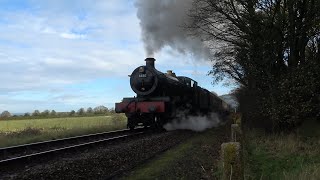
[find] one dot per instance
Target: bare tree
(72, 113)
(36, 113)
(100, 110)
(89, 110)
(5, 114)
(270, 47)
(45, 113)
(53, 113)
(256, 38)
(81, 111)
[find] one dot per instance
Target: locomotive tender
(160, 96)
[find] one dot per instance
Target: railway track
(23, 154)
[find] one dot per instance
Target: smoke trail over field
(195, 123)
(162, 23)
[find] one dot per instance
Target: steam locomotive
(160, 96)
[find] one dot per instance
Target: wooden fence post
(232, 161)
(236, 133)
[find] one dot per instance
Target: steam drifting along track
(22, 154)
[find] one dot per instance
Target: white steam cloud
(163, 24)
(195, 123)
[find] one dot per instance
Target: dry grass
(307, 173)
(282, 156)
(288, 144)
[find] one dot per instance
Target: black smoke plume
(164, 23)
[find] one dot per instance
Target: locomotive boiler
(160, 96)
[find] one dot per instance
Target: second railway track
(22, 154)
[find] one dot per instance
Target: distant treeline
(36, 114)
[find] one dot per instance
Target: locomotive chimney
(150, 62)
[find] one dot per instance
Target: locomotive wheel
(157, 124)
(131, 124)
(131, 127)
(154, 123)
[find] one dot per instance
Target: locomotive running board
(140, 107)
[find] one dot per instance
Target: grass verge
(15, 132)
(197, 158)
(283, 156)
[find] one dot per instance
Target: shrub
(297, 98)
(293, 99)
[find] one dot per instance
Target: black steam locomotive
(160, 96)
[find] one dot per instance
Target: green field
(14, 132)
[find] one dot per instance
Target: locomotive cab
(188, 81)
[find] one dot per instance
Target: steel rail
(28, 157)
(24, 148)
(62, 139)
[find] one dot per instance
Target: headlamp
(141, 70)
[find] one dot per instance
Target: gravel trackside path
(196, 158)
(103, 162)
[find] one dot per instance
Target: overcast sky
(68, 54)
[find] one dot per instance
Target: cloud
(52, 46)
(46, 47)
(72, 36)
